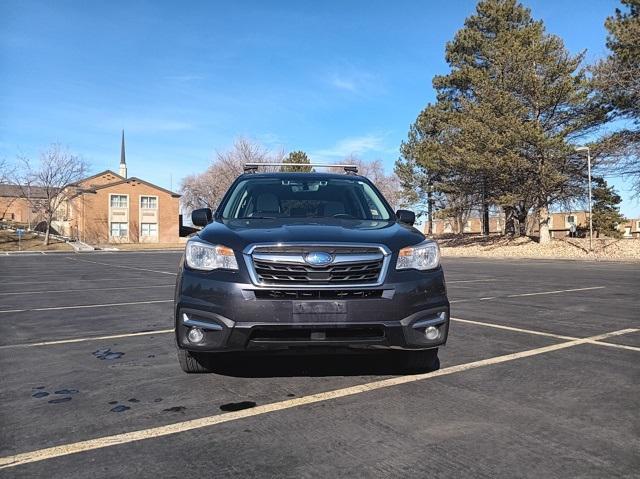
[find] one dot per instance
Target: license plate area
(319, 307)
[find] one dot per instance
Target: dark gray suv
(309, 261)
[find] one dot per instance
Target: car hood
(238, 234)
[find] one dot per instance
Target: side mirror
(406, 216)
(201, 217)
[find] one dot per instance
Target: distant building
(559, 225)
(630, 228)
(108, 207)
(442, 226)
(17, 204)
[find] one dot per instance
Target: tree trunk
(509, 221)
(522, 224)
(543, 225)
(46, 235)
(430, 213)
(485, 209)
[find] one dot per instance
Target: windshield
(347, 198)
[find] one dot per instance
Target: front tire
(419, 361)
(195, 363)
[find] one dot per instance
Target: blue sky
(185, 78)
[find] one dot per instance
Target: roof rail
(253, 167)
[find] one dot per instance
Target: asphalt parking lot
(540, 378)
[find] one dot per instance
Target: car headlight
(208, 257)
(425, 255)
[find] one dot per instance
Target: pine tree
(606, 212)
(506, 114)
(618, 81)
(299, 158)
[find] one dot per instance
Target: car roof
(302, 176)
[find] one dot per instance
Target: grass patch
(30, 242)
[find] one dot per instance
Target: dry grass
(30, 242)
(525, 247)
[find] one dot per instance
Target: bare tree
(206, 189)
(5, 172)
(55, 174)
(389, 185)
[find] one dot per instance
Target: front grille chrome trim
(345, 259)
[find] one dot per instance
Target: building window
(149, 229)
(119, 230)
(571, 219)
(118, 201)
(638, 225)
(149, 202)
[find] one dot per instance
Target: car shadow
(270, 365)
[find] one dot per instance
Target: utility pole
(588, 150)
(430, 207)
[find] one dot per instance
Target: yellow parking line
(183, 426)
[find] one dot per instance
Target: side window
(149, 202)
(118, 201)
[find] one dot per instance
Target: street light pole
(588, 150)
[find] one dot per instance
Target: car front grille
(286, 265)
(331, 294)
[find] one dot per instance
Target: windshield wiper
(257, 218)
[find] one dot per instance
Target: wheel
(420, 361)
(194, 363)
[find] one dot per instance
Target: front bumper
(236, 315)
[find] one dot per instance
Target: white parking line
(81, 340)
(558, 291)
(122, 266)
(71, 280)
(509, 328)
(88, 289)
(473, 281)
(106, 305)
(541, 333)
(183, 426)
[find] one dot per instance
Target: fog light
(432, 333)
(195, 335)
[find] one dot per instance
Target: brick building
(630, 228)
(109, 207)
(559, 225)
(15, 207)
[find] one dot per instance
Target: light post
(581, 149)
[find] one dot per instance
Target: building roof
(111, 172)
(128, 180)
(15, 191)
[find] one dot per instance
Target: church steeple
(123, 159)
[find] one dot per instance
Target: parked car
(309, 261)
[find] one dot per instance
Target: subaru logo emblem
(318, 258)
